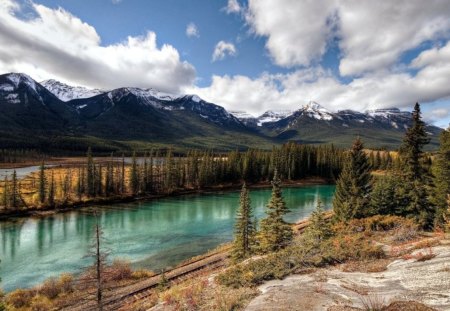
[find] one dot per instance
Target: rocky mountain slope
(55, 115)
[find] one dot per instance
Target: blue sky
(268, 54)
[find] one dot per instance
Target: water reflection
(153, 235)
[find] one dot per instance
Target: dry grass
(373, 302)
(204, 294)
(366, 266)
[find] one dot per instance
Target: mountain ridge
(129, 116)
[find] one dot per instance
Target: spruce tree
(384, 195)
(411, 151)
(5, 194)
(90, 176)
(244, 229)
(415, 177)
(441, 170)
(15, 191)
(51, 191)
(275, 233)
(319, 228)
(42, 183)
(353, 188)
(134, 175)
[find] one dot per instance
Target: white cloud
(233, 6)
(223, 49)
(116, 1)
(296, 31)
(292, 90)
(372, 34)
(192, 30)
(56, 44)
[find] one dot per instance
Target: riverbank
(35, 211)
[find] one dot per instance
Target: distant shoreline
(41, 212)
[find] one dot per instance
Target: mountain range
(55, 116)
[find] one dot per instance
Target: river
(153, 235)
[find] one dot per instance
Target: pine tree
(411, 150)
(51, 191)
(384, 195)
(415, 177)
(244, 230)
(319, 228)
(134, 175)
(275, 233)
(353, 188)
(90, 176)
(42, 183)
(5, 194)
(446, 215)
(15, 191)
(441, 170)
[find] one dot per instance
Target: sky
(245, 55)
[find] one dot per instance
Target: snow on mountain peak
(16, 78)
(67, 92)
(273, 116)
(316, 111)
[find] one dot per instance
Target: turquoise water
(153, 235)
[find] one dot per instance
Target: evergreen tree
(384, 199)
(441, 170)
(134, 175)
(411, 150)
(51, 191)
(353, 188)
(319, 229)
(244, 230)
(415, 177)
(15, 191)
(42, 183)
(5, 194)
(122, 176)
(90, 176)
(275, 233)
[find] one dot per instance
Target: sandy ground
(427, 282)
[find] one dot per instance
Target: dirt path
(423, 281)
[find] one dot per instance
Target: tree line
(411, 187)
(158, 173)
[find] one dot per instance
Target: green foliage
(411, 150)
(319, 228)
(384, 195)
(274, 232)
(441, 172)
(346, 241)
(42, 183)
(415, 175)
(354, 186)
(134, 175)
(244, 230)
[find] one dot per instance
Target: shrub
(119, 270)
(142, 274)
(20, 298)
(66, 283)
(50, 288)
(41, 303)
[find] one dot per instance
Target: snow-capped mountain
(67, 92)
(72, 116)
(273, 116)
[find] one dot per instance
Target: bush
(142, 274)
(119, 270)
(20, 298)
(50, 288)
(66, 283)
(41, 303)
